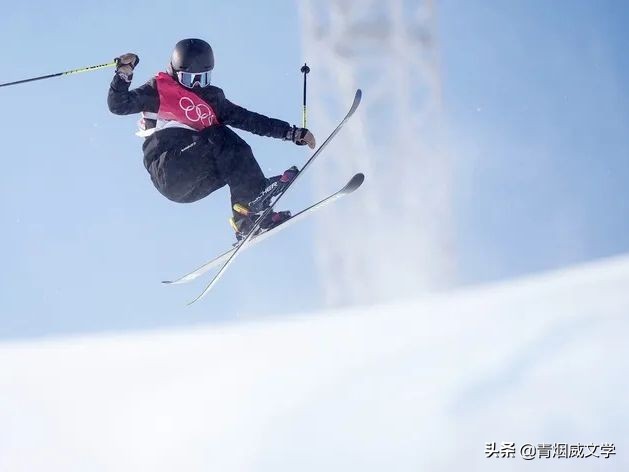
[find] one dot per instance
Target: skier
(189, 150)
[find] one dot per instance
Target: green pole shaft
(59, 74)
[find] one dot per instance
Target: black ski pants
(186, 165)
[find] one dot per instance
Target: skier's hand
(125, 65)
(301, 137)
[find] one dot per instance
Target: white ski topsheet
(354, 183)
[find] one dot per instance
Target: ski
(230, 259)
(353, 184)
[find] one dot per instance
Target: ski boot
(245, 215)
(274, 186)
(244, 219)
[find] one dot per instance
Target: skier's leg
(183, 170)
(248, 185)
(235, 164)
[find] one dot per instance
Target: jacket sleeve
(122, 101)
(241, 118)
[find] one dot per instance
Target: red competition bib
(176, 103)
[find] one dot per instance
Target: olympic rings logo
(196, 113)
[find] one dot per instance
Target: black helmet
(191, 56)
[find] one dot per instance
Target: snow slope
(408, 387)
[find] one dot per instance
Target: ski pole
(305, 69)
(58, 74)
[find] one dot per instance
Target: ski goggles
(190, 79)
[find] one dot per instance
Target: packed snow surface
(419, 385)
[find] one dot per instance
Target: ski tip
(357, 98)
(355, 182)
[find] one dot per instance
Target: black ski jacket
(145, 98)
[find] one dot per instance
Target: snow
(419, 385)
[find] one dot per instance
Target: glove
(125, 65)
(301, 137)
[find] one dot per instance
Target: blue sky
(537, 102)
(537, 118)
